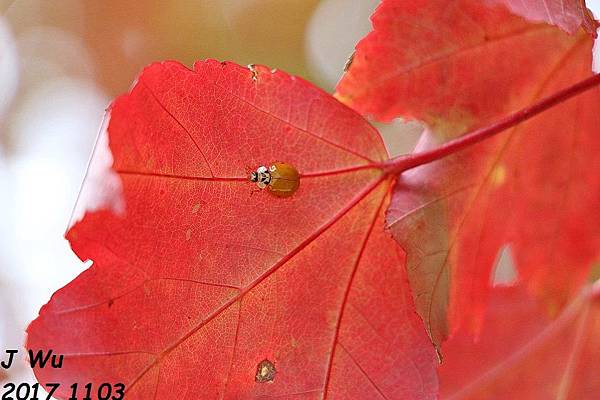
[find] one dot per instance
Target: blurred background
(61, 62)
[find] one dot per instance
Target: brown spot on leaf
(254, 72)
(349, 62)
(265, 371)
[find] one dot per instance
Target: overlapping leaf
(458, 65)
(523, 354)
(201, 280)
(452, 64)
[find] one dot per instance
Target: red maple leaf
(534, 187)
(523, 354)
(205, 290)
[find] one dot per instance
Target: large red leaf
(522, 354)
(450, 63)
(535, 186)
(200, 280)
(567, 14)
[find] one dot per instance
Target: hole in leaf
(504, 272)
(265, 371)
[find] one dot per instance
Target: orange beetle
(280, 179)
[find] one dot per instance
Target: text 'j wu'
(40, 358)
